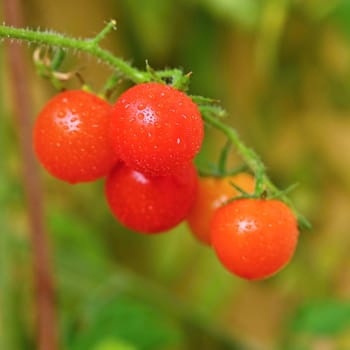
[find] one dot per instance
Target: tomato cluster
(144, 145)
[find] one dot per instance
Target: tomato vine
(211, 111)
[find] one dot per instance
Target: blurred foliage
(282, 70)
(127, 320)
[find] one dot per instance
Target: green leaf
(126, 319)
(340, 16)
(77, 241)
(246, 12)
(327, 317)
(113, 344)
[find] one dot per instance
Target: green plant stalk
(247, 154)
(112, 24)
(255, 164)
(90, 46)
(223, 157)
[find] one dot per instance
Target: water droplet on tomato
(140, 106)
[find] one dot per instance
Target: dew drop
(68, 121)
(141, 116)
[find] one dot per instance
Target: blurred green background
(282, 70)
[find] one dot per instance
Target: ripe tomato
(151, 204)
(254, 238)
(71, 138)
(213, 192)
(156, 129)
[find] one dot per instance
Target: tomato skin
(254, 238)
(156, 129)
(149, 204)
(212, 193)
(71, 139)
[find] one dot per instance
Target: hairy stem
(247, 154)
(89, 46)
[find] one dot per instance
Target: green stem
(223, 158)
(248, 155)
(57, 59)
(89, 46)
(254, 163)
(101, 35)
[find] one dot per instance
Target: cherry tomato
(71, 137)
(151, 204)
(156, 129)
(254, 238)
(213, 192)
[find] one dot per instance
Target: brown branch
(46, 323)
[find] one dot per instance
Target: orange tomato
(213, 192)
(254, 238)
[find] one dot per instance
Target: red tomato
(156, 129)
(254, 238)
(213, 192)
(71, 138)
(151, 204)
